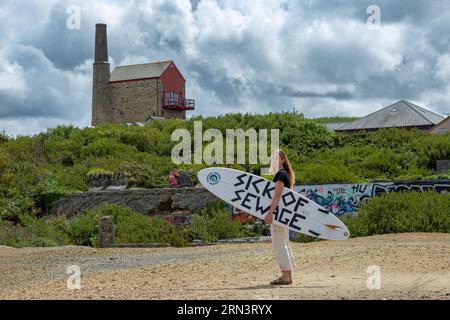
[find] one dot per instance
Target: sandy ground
(413, 266)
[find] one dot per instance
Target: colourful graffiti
(343, 199)
(340, 199)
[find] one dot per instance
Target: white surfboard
(254, 194)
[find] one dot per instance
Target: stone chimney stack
(102, 112)
(101, 44)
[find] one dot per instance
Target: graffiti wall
(343, 199)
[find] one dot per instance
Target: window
(171, 98)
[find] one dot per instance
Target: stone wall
(148, 201)
(136, 101)
(174, 114)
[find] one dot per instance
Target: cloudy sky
(317, 56)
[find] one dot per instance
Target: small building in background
(442, 127)
(135, 93)
(402, 114)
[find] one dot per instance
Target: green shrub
(145, 175)
(324, 171)
(104, 147)
(130, 227)
(402, 212)
(33, 232)
(16, 208)
(303, 238)
(214, 224)
(48, 191)
(95, 171)
(6, 177)
(136, 139)
(3, 137)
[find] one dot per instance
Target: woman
(284, 177)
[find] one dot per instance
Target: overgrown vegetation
(402, 212)
(214, 224)
(35, 171)
(211, 224)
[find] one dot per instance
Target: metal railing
(178, 103)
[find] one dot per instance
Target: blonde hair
(287, 166)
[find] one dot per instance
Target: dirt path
(413, 266)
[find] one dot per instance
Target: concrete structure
(442, 127)
(135, 93)
(106, 230)
(402, 114)
(145, 201)
(176, 205)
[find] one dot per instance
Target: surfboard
(254, 195)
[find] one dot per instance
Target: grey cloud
(237, 61)
(50, 92)
(338, 94)
(65, 47)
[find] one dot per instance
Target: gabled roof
(400, 114)
(139, 71)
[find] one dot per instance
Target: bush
(130, 227)
(303, 238)
(6, 178)
(214, 224)
(402, 212)
(15, 209)
(48, 191)
(136, 139)
(145, 175)
(324, 171)
(3, 137)
(104, 147)
(33, 232)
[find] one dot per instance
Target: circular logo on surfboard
(213, 178)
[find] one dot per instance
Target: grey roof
(139, 71)
(400, 114)
(335, 125)
(442, 127)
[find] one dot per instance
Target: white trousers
(281, 247)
